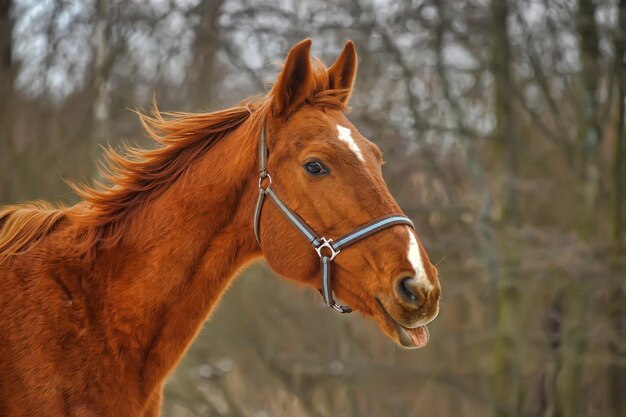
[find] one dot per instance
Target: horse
(100, 300)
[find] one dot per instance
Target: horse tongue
(419, 336)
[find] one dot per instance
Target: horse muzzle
(409, 315)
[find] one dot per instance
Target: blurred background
(502, 124)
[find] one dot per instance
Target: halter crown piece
(326, 249)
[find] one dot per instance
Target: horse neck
(179, 254)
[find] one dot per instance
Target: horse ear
(295, 80)
(341, 75)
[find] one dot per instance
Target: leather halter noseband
(332, 247)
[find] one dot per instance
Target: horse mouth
(408, 338)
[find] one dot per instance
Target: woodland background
(502, 123)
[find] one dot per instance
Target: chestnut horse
(99, 301)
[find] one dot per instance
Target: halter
(326, 249)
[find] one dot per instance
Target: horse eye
(315, 168)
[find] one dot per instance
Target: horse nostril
(408, 290)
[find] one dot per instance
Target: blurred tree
(206, 45)
(620, 146)
(617, 307)
(507, 381)
(589, 129)
(505, 133)
(102, 64)
(8, 72)
(569, 386)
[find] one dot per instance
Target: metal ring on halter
(327, 243)
(269, 179)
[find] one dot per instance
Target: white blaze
(415, 258)
(345, 135)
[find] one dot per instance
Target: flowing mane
(131, 176)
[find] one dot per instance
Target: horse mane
(22, 224)
(131, 177)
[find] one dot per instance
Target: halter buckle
(327, 243)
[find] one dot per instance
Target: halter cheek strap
(326, 249)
